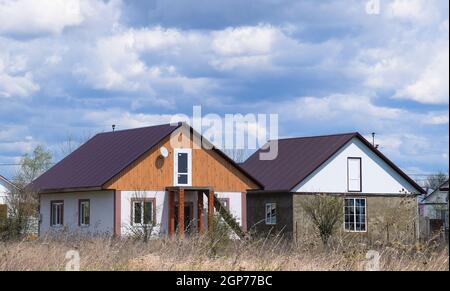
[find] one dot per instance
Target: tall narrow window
(84, 213)
(271, 213)
(355, 215)
(143, 211)
(354, 182)
(183, 167)
(57, 213)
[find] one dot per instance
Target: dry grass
(203, 253)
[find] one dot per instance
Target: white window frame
(354, 215)
(270, 220)
(175, 167)
(54, 214)
(142, 202)
(360, 174)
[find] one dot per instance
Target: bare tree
(71, 143)
(325, 212)
(436, 180)
(143, 216)
(237, 155)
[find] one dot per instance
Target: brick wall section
(389, 218)
(256, 210)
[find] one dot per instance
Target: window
(84, 212)
(354, 175)
(57, 213)
(355, 215)
(271, 213)
(182, 167)
(143, 211)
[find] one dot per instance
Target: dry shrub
(194, 253)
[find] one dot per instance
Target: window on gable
(143, 211)
(271, 213)
(56, 213)
(354, 175)
(183, 166)
(355, 215)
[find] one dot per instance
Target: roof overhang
(69, 190)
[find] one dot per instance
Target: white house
(435, 207)
(122, 181)
(5, 189)
(374, 191)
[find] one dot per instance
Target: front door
(188, 217)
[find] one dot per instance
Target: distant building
(435, 207)
(5, 188)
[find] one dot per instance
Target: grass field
(204, 253)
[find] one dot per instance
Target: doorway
(188, 217)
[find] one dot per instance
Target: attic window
(354, 170)
(183, 167)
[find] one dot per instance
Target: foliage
(23, 201)
(325, 212)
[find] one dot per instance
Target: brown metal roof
(300, 157)
(101, 158)
(106, 155)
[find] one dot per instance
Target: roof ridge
(143, 127)
(317, 136)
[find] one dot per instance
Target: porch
(177, 216)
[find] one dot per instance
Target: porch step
(229, 219)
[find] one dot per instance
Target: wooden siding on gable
(151, 172)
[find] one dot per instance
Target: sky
(71, 68)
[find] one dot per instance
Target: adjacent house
(156, 176)
(5, 188)
(378, 198)
(435, 207)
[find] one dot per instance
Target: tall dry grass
(206, 253)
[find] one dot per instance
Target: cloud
(134, 63)
(15, 81)
(29, 17)
(432, 86)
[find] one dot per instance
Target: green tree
(23, 201)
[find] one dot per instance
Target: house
(435, 207)
(5, 188)
(123, 180)
(378, 199)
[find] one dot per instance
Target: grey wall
(256, 210)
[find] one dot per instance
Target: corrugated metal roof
(101, 158)
(300, 157)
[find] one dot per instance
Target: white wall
(3, 194)
(377, 175)
(235, 204)
(102, 212)
(162, 210)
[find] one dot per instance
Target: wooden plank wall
(151, 172)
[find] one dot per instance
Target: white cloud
(15, 81)
(43, 17)
(124, 119)
(432, 86)
(413, 10)
(36, 17)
